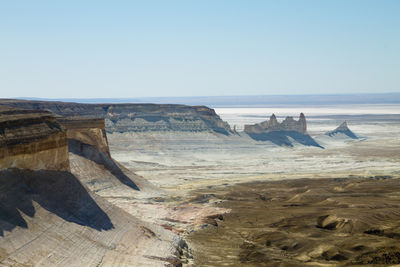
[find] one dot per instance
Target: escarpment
(89, 131)
(41, 140)
(32, 139)
(53, 212)
(137, 117)
(91, 161)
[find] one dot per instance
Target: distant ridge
(249, 100)
(135, 117)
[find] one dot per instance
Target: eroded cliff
(91, 161)
(136, 117)
(53, 173)
(32, 139)
(90, 131)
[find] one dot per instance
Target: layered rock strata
(289, 124)
(41, 140)
(91, 161)
(137, 117)
(32, 139)
(52, 170)
(89, 131)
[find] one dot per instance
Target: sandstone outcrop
(32, 139)
(289, 124)
(342, 129)
(136, 117)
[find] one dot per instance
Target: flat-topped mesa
(288, 124)
(32, 139)
(136, 117)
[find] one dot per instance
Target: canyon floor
(311, 222)
(289, 206)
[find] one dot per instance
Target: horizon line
(201, 96)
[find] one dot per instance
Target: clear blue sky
(127, 48)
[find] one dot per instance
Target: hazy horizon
(249, 100)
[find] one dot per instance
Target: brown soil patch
(303, 222)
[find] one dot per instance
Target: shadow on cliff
(92, 153)
(281, 138)
(58, 192)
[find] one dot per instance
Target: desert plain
(241, 202)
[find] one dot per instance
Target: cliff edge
(136, 117)
(32, 139)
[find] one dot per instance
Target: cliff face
(136, 117)
(31, 139)
(49, 215)
(289, 124)
(90, 157)
(38, 140)
(90, 131)
(41, 140)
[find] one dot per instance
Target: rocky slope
(48, 218)
(344, 130)
(136, 117)
(53, 174)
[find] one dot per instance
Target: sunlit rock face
(31, 139)
(90, 131)
(289, 124)
(137, 117)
